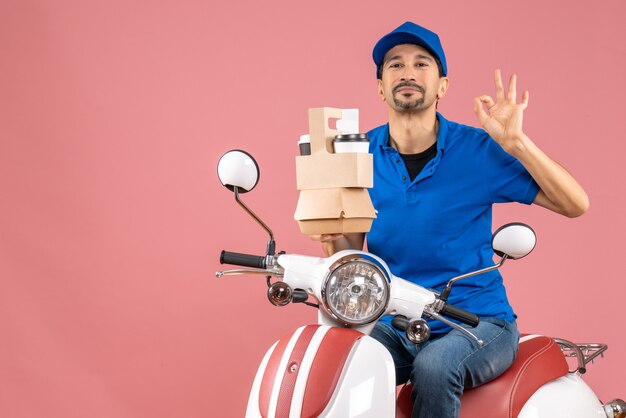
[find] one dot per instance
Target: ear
(381, 93)
(443, 87)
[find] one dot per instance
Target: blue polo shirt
(439, 225)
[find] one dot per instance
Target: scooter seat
(539, 360)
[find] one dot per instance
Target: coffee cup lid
(351, 138)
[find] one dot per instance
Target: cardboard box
(333, 195)
(334, 211)
(320, 171)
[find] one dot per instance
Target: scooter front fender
(327, 372)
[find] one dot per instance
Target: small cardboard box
(333, 195)
(334, 211)
(321, 171)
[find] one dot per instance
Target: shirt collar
(442, 133)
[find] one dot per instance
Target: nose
(407, 74)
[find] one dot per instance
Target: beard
(410, 105)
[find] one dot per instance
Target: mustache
(409, 84)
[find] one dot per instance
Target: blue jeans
(443, 366)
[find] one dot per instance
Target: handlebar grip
(460, 315)
(246, 260)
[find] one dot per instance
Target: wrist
(517, 145)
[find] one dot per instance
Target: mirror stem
(270, 244)
(446, 291)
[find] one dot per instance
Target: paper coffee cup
(351, 143)
(305, 144)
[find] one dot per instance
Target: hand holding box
(333, 186)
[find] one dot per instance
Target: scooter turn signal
(615, 409)
(418, 331)
(280, 294)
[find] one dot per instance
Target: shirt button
(397, 160)
(403, 178)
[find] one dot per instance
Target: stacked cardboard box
(333, 187)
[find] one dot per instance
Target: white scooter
(334, 369)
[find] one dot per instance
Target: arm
(331, 243)
(559, 191)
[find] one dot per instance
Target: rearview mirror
(239, 173)
(238, 169)
(515, 240)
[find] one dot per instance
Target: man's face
(410, 79)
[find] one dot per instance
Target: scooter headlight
(356, 292)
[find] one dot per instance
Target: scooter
(334, 369)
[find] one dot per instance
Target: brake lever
(434, 315)
(235, 272)
(273, 269)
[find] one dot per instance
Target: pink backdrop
(113, 115)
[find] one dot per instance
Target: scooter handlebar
(245, 260)
(460, 315)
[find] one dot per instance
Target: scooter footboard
(324, 371)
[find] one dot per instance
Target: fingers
(512, 94)
(525, 98)
(500, 94)
(326, 237)
(480, 110)
(487, 101)
(499, 87)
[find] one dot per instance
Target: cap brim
(398, 38)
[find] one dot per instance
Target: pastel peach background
(113, 115)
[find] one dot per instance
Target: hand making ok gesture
(503, 118)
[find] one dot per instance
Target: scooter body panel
(293, 379)
(566, 397)
(253, 409)
(367, 386)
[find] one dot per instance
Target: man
(435, 182)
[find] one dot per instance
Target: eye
(395, 65)
(422, 64)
